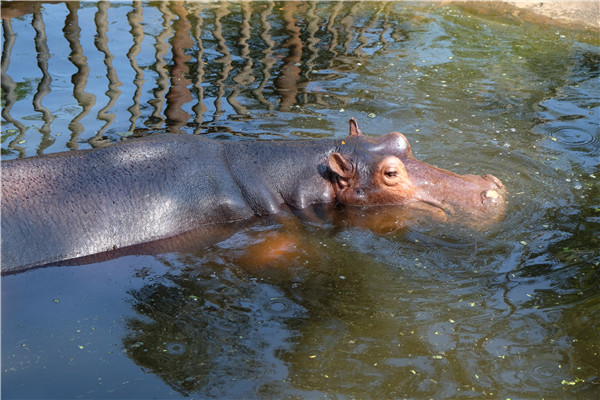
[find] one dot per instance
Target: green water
(426, 312)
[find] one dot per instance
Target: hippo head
(382, 171)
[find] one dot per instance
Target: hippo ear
(340, 165)
(354, 129)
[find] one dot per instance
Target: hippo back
(73, 204)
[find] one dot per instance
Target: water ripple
(175, 349)
(571, 135)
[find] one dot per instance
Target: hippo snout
(491, 178)
(475, 200)
(490, 197)
(495, 195)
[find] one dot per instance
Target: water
(425, 312)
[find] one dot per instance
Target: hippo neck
(272, 174)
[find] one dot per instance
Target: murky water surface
(512, 312)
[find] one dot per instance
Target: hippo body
(73, 204)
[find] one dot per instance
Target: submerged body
(79, 203)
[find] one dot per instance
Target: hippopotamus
(73, 204)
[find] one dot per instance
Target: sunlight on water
(427, 311)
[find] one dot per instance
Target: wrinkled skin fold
(74, 204)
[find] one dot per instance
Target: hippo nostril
(490, 196)
(494, 180)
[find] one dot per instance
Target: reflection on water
(192, 68)
(427, 311)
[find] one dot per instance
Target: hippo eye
(391, 176)
(392, 171)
